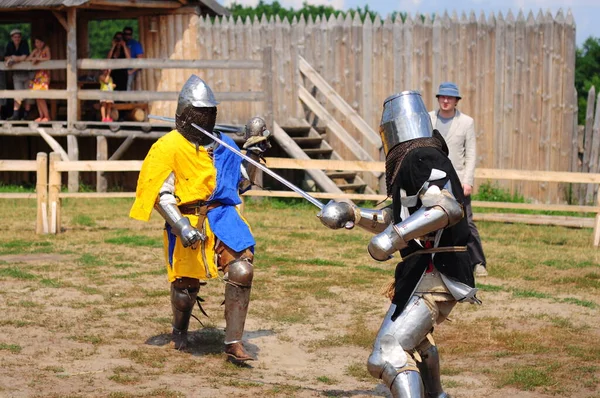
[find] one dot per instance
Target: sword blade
(282, 180)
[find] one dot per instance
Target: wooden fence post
(54, 185)
(597, 224)
(41, 189)
(101, 154)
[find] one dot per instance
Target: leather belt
(198, 208)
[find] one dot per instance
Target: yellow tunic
(195, 179)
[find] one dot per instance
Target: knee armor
(183, 297)
(237, 298)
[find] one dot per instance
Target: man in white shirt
(458, 130)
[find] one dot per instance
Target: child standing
(106, 84)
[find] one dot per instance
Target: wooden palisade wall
(516, 74)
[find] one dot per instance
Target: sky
(585, 12)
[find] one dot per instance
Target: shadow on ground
(209, 341)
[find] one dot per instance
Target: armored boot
(430, 373)
(404, 384)
(183, 297)
(237, 298)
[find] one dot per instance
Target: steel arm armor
(341, 214)
(166, 206)
(440, 210)
(249, 172)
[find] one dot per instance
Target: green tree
(587, 73)
(275, 8)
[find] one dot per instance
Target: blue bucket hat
(448, 89)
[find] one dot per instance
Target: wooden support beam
(60, 17)
(72, 102)
(290, 147)
(333, 125)
(53, 144)
(122, 148)
(349, 113)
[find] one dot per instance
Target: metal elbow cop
(441, 210)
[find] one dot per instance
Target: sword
(282, 180)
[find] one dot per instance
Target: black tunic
(414, 171)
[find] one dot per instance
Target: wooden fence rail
(50, 192)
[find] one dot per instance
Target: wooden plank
(367, 72)
(267, 80)
(546, 131)
(519, 99)
(147, 96)
(288, 145)
(499, 132)
(10, 195)
(122, 148)
(18, 165)
(28, 65)
(32, 94)
(56, 147)
(346, 110)
(535, 206)
(105, 165)
(536, 219)
(509, 144)
(537, 175)
(354, 148)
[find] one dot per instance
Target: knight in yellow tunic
(194, 184)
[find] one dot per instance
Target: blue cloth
(225, 221)
(135, 48)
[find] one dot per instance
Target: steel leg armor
(183, 297)
(430, 372)
(237, 298)
(391, 359)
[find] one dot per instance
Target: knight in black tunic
(426, 225)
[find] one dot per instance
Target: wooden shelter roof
(211, 7)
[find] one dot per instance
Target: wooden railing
(49, 221)
(367, 146)
(72, 93)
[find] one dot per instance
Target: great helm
(197, 93)
(404, 118)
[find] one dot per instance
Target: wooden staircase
(313, 143)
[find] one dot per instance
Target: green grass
(83, 220)
(17, 273)
(13, 348)
(135, 240)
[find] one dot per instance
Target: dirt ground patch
(86, 313)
